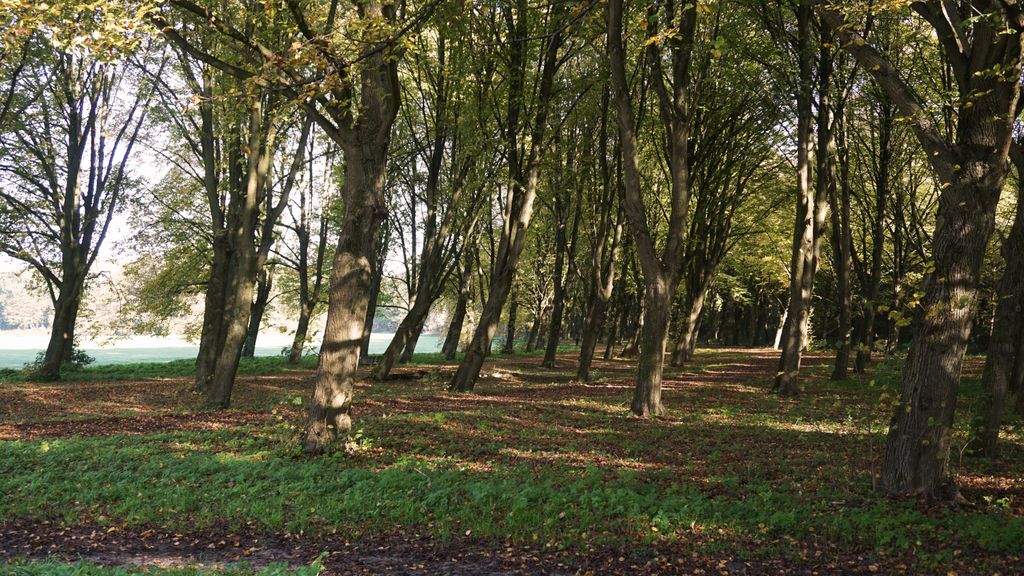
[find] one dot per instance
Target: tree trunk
(510, 328)
(301, 330)
(62, 331)
(264, 284)
(653, 340)
(405, 335)
(918, 443)
(520, 197)
(349, 307)
(215, 302)
(414, 337)
(565, 255)
(842, 239)
(591, 334)
(451, 341)
(1001, 354)
(376, 274)
(802, 262)
(480, 346)
(686, 341)
(218, 394)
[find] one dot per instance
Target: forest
(719, 286)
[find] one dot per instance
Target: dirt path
(395, 554)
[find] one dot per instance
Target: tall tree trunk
(653, 339)
(521, 195)
(973, 170)
(215, 302)
(376, 275)
(871, 281)
(245, 265)
(301, 331)
(510, 327)
(842, 239)
(352, 279)
(660, 271)
(802, 264)
(62, 331)
(1001, 354)
(414, 337)
(565, 255)
(919, 435)
(264, 283)
(454, 336)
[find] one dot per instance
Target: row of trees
(645, 175)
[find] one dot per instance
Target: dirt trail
(393, 554)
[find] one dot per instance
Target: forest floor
(531, 474)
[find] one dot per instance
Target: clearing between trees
(532, 473)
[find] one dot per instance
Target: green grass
(51, 568)
(731, 468)
(253, 477)
(260, 365)
(257, 366)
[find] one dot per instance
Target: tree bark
(660, 272)
(510, 327)
(60, 346)
(972, 170)
(842, 240)
(565, 255)
(350, 295)
(802, 264)
(264, 284)
(521, 194)
(376, 275)
(1001, 354)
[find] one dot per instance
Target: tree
(984, 53)
(354, 103)
(523, 168)
(660, 272)
(65, 173)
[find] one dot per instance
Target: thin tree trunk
(520, 199)
(842, 239)
(510, 327)
(414, 337)
(264, 284)
(454, 336)
(802, 262)
(376, 274)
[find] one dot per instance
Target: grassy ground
(532, 470)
